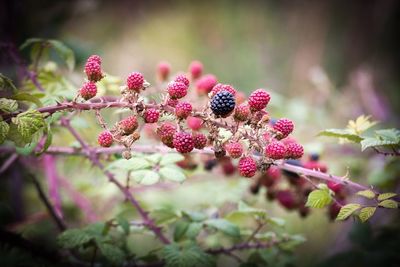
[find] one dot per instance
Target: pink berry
(286, 199)
(163, 70)
(183, 110)
(172, 102)
(183, 142)
(94, 58)
(88, 90)
(166, 133)
(135, 81)
(294, 151)
(247, 167)
(271, 176)
(200, 140)
(234, 149)
(275, 150)
(258, 100)
(151, 115)
(335, 187)
(205, 84)
(129, 124)
(93, 71)
(196, 69)
(242, 112)
(176, 90)
(222, 87)
(194, 123)
(284, 126)
(181, 78)
(105, 139)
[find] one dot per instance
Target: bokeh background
(325, 62)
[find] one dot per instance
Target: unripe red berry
(166, 133)
(294, 151)
(105, 139)
(284, 126)
(88, 90)
(94, 58)
(194, 123)
(222, 87)
(163, 70)
(271, 176)
(172, 102)
(335, 187)
(275, 150)
(205, 84)
(93, 71)
(286, 199)
(247, 167)
(183, 142)
(181, 78)
(151, 115)
(227, 166)
(242, 112)
(196, 69)
(200, 140)
(234, 149)
(334, 210)
(259, 99)
(183, 110)
(135, 81)
(176, 90)
(129, 124)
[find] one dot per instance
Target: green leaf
(28, 123)
(73, 238)
(132, 164)
(186, 256)
(6, 82)
(195, 215)
(150, 177)
(366, 213)
(277, 221)
(30, 42)
(366, 193)
(180, 230)
(4, 128)
(388, 203)
(164, 215)
(112, 253)
(319, 198)
(342, 133)
(154, 158)
(224, 226)
(28, 97)
(123, 223)
(8, 105)
(172, 173)
(64, 52)
(49, 140)
(386, 196)
(171, 158)
(194, 230)
(347, 210)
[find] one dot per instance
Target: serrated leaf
(6, 82)
(376, 142)
(28, 97)
(8, 105)
(73, 238)
(150, 177)
(319, 198)
(4, 128)
(28, 123)
(389, 135)
(171, 158)
(186, 256)
(172, 173)
(386, 196)
(366, 213)
(347, 210)
(342, 133)
(64, 52)
(366, 193)
(224, 226)
(112, 253)
(180, 230)
(389, 204)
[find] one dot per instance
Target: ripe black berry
(223, 103)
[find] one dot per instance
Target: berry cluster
(94, 74)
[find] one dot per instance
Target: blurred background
(325, 62)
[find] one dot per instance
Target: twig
(8, 162)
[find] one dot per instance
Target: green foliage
(224, 226)
(187, 255)
(366, 193)
(8, 105)
(74, 238)
(319, 198)
(388, 203)
(382, 138)
(346, 211)
(24, 126)
(6, 83)
(112, 253)
(4, 128)
(386, 196)
(366, 213)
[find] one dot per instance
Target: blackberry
(223, 103)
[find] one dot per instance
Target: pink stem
(50, 170)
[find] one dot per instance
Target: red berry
(176, 90)
(196, 69)
(284, 126)
(105, 139)
(294, 151)
(271, 176)
(288, 140)
(334, 210)
(242, 112)
(172, 102)
(151, 115)
(129, 124)
(200, 140)
(275, 150)
(222, 87)
(286, 199)
(194, 123)
(94, 58)
(93, 71)
(135, 81)
(205, 84)
(181, 78)
(258, 100)
(88, 90)
(247, 167)
(227, 166)
(183, 142)
(183, 110)
(335, 187)
(234, 149)
(163, 70)
(166, 133)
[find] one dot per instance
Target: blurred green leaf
(132, 164)
(164, 215)
(342, 133)
(224, 226)
(347, 210)
(150, 177)
(180, 229)
(386, 196)
(112, 253)
(319, 198)
(172, 173)
(64, 52)
(73, 238)
(28, 97)
(123, 223)
(366, 193)
(8, 105)
(6, 82)
(49, 139)
(388, 203)
(4, 128)
(366, 213)
(195, 215)
(171, 158)
(193, 230)
(186, 256)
